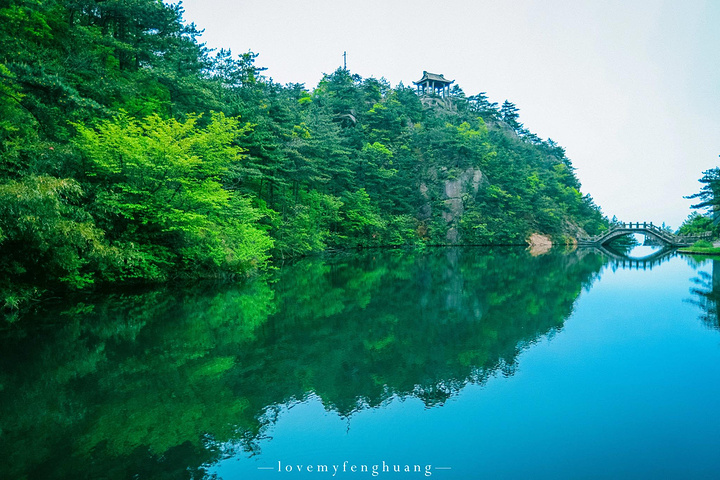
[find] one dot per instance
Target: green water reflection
(706, 294)
(157, 384)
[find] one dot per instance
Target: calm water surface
(448, 364)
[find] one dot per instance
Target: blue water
(628, 388)
(448, 363)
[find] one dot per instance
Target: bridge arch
(663, 236)
(621, 232)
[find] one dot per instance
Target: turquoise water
(628, 388)
(449, 363)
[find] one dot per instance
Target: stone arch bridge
(648, 229)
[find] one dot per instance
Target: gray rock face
(467, 183)
(444, 197)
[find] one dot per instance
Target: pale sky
(631, 89)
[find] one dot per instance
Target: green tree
(363, 224)
(481, 105)
(696, 224)
(45, 235)
(158, 188)
(709, 194)
(509, 114)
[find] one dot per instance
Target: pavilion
(433, 83)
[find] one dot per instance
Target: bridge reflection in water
(669, 241)
(647, 262)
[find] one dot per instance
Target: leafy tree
(45, 235)
(696, 224)
(309, 226)
(158, 187)
(481, 105)
(363, 224)
(709, 194)
(509, 114)
(18, 128)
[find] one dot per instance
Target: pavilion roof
(433, 77)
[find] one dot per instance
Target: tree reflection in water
(160, 383)
(708, 295)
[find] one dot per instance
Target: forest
(132, 154)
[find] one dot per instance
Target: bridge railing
(655, 228)
(642, 226)
(660, 232)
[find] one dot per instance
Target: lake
(448, 363)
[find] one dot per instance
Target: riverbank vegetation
(701, 247)
(708, 203)
(131, 153)
(702, 223)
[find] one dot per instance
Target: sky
(631, 89)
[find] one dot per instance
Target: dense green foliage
(131, 153)
(701, 247)
(709, 194)
(158, 188)
(709, 201)
(696, 224)
(159, 384)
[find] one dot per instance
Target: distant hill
(131, 153)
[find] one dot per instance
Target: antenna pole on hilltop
(344, 60)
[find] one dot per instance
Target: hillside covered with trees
(131, 153)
